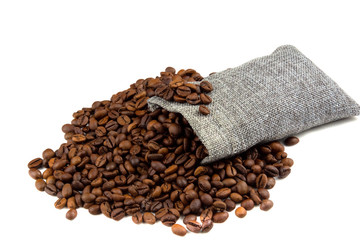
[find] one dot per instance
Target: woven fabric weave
(265, 99)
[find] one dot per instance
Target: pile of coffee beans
(180, 87)
(121, 160)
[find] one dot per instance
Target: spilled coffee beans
(120, 159)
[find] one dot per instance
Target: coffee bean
(40, 184)
(50, 189)
(240, 212)
(206, 199)
(284, 171)
(193, 226)
(220, 217)
(178, 230)
(71, 214)
(195, 205)
(88, 197)
(223, 193)
(35, 163)
(193, 99)
(168, 219)
(271, 171)
(78, 138)
(205, 99)
(261, 181)
(117, 214)
(206, 86)
(35, 173)
(264, 194)
(266, 205)
(183, 91)
(236, 197)
(206, 214)
(189, 217)
(291, 141)
(204, 110)
(149, 218)
(248, 204)
(60, 203)
(137, 218)
(66, 190)
(219, 205)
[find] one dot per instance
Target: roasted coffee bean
(284, 171)
(206, 199)
(49, 189)
(193, 99)
(168, 219)
(137, 218)
(206, 86)
(117, 214)
(35, 163)
(40, 184)
(178, 230)
(204, 110)
(223, 193)
(195, 205)
(207, 226)
(183, 91)
(263, 193)
(149, 218)
(266, 205)
(240, 212)
(67, 190)
(261, 181)
(230, 205)
(248, 204)
(206, 214)
(219, 205)
(60, 203)
(205, 99)
(220, 217)
(194, 226)
(271, 171)
(291, 141)
(189, 217)
(71, 214)
(236, 197)
(35, 173)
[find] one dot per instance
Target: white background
(59, 56)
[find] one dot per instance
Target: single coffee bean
(71, 214)
(189, 217)
(137, 218)
(195, 205)
(271, 171)
(204, 110)
(51, 189)
(276, 147)
(194, 226)
(67, 190)
(284, 171)
(193, 99)
(264, 194)
(35, 163)
(183, 91)
(168, 219)
(88, 197)
(223, 193)
(40, 184)
(48, 153)
(266, 205)
(149, 218)
(178, 230)
(291, 141)
(206, 199)
(220, 217)
(206, 214)
(248, 204)
(207, 226)
(271, 183)
(236, 197)
(117, 214)
(219, 205)
(230, 205)
(60, 203)
(261, 181)
(94, 209)
(205, 99)
(206, 86)
(35, 173)
(240, 212)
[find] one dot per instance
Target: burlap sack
(265, 99)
